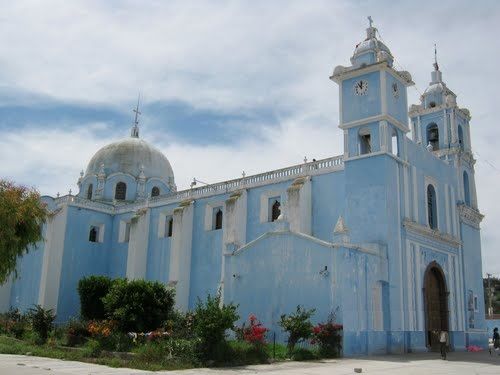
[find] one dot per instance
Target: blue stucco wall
(81, 257)
(356, 107)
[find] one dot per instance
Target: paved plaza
(426, 363)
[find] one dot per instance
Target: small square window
(93, 233)
(169, 226)
(217, 218)
(96, 233)
(274, 208)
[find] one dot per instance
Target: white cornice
(342, 73)
(470, 216)
(419, 110)
(377, 118)
(433, 234)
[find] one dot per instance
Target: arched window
(365, 142)
(394, 143)
(155, 191)
(433, 136)
(121, 191)
(460, 137)
(93, 234)
(218, 219)
(431, 207)
(170, 226)
(276, 210)
(466, 189)
(89, 191)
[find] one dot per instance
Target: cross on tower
(135, 129)
(370, 21)
(136, 110)
(436, 66)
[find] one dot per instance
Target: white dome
(370, 45)
(131, 155)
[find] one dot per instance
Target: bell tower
(373, 99)
(443, 128)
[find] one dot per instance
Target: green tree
(21, 217)
(211, 321)
(92, 290)
(298, 325)
(138, 305)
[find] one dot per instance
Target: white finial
(370, 32)
(134, 133)
(81, 173)
(102, 173)
(69, 191)
(243, 174)
(305, 159)
(57, 195)
(436, 66)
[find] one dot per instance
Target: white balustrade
(279, 175)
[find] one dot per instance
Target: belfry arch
(436, 304)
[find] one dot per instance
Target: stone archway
(436, 304)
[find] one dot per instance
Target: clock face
(395, 90)
(360, 87)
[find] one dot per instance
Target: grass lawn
(9, 345)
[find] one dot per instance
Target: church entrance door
(436, 305)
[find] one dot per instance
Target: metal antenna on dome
(135, 129)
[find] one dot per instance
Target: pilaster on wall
(299, 205)
(138, 245)
(50, 279)
(5, 291)
(180, 253)
(235, 223)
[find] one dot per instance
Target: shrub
(76, 333)
(92, 348)
(298, 326)
(168, 350)
(180, 325)
(245, 353)
(211, 320)
(138, 305)
(13, 323)
(328, 336)
(92, 289)
(42, 321)
(303, 354)
(255, 333)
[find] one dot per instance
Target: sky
(226, 86)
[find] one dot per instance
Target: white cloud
(231, 56)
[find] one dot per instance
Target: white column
(235, 220)
(419, 130)
(55, 234)
(453, 127)
(383, 136)
(138, 245)
(383, 91)
(445, 126)
(180, 253)
(299, 205)
(472, 182)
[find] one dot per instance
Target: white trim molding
(437, 235)
(470, 216)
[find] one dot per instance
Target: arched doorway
(436, 304)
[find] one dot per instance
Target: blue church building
(387, 234)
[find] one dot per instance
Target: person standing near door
(443, 343)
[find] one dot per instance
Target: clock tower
(373, 100)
